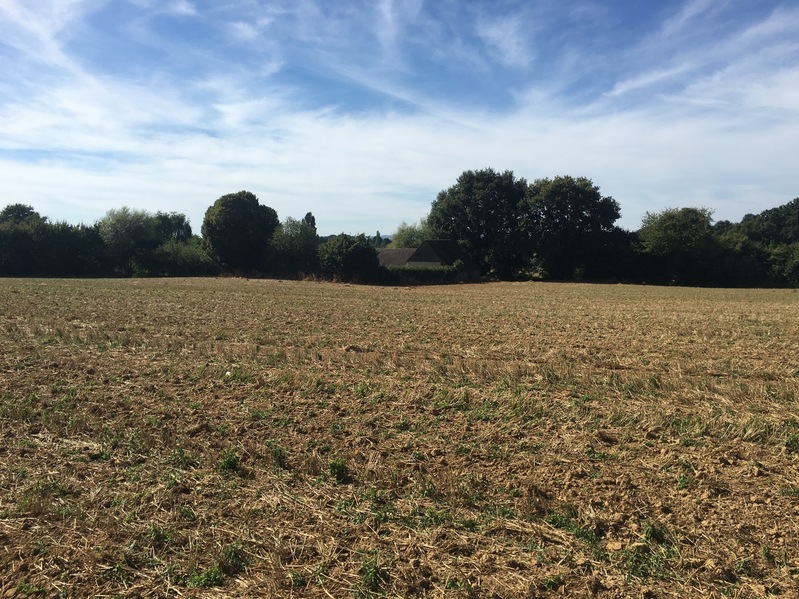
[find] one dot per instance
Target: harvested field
(228, 437)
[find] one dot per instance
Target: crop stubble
(228, 437)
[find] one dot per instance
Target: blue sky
(362, 111)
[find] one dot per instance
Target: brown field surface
(230, 437)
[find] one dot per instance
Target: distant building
(432, 253)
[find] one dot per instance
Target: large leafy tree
(568, 221)
(22, 230)
(18, 214)
(481, 211)
(775, 226)
(130, 236)
(411, 235)
(682, 241)
(238, 230)
(31, 245)
(172, 226)
(676, 231)
(349, 258)
(295, 247)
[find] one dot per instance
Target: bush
(349, 258)
(184, 259)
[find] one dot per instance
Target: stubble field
(227, 437)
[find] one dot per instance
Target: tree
(17, 214)
(410, 236)
(568, 222)
(378, 240)
(481, 211)
(188, 258)
(30, 245)
(172, 226)
(129, 236)
(238, 230)
(682, 240)
(775, 226)
(295, 247)
(349, 258)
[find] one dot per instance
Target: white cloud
(691, 11)
(181, 7)
(648, 79)
(507, 39)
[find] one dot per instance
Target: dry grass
(265, 438)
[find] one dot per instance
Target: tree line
(561, 228)
(564, 229)
(240, 236)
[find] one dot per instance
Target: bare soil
(228, 437)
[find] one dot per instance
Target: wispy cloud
(507, 39)
(648, 79)
(691, 11)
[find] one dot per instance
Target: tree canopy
(556, 226)
(238, 229)
(128, 234)
(561, 228)
(481, 211)
(17, 214)
(411, 235)
(295, 247)
(568, 221)
(349, 258)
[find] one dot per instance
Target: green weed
(229, 461)
(338, 469)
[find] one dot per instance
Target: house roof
(433, 252)
(443, 251)
(394, 256)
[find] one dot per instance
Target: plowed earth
(244, 438)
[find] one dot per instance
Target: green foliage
(18, 214)
(295, 247)
(229, 461)
(569, 221)
(562, 227)
(172, 227)
(340, 471)
(557, 228)
(32, 246)
(349, 258)
(783, 261)
(682, 245)
(238, 230)
(161, 244)
(213, 577)
(128, 235)
(232, 559)
(410, 236)
(776, 226)
(676, 231)
(189, 258)
(279, 455)
(482, 212)
(373, 576)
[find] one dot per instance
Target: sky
(361, 111)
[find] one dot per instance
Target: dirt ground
(245, 438)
